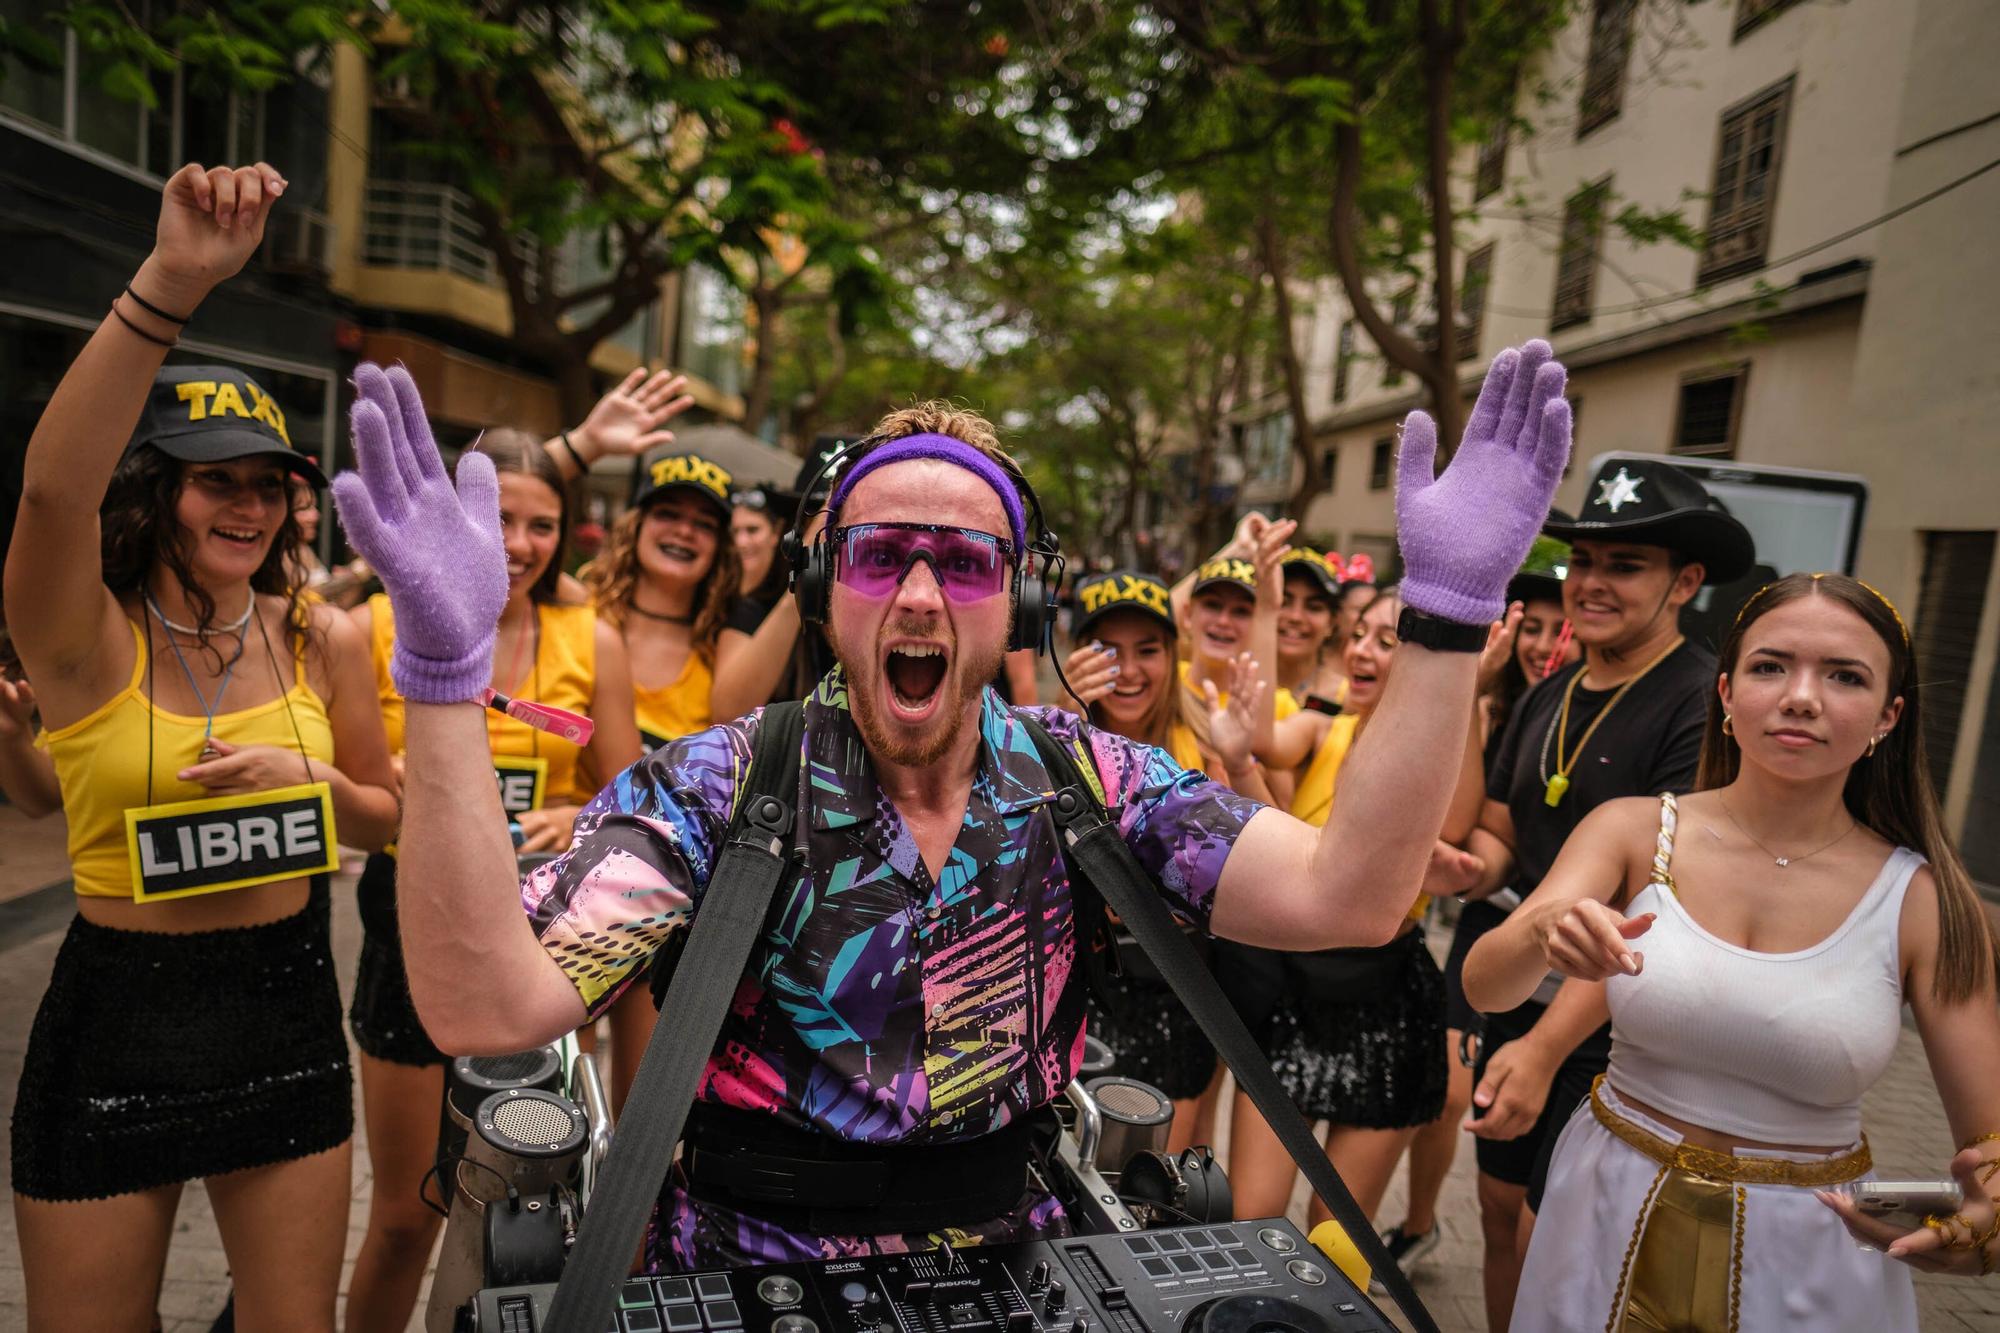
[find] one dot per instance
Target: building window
(1491, 173)
(1604, 68)
(1472, 300)
(51, 80)
(1957, 566)
(1747, 159)
(1329, 468)
(1400, 311)
(1755, 13)
(1576, 268)
(1378, 464)
(1343, 359)
(1710, 407)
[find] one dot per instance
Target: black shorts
(156, 1059)
(1524, 1161)
(383, 1018)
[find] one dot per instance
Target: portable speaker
(1137, 1116)
(522, 1151)
(471, 1079)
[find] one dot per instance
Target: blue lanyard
(208, 708)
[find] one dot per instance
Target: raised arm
(625, 423)
(1462, 534)
(480, 978)
(58, 610)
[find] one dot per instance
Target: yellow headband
(1751, 600)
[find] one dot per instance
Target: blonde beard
(968, 678)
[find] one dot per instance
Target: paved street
(1907, 1131)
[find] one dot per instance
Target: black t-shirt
(1649, 743)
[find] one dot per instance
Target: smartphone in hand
(1914, 1199)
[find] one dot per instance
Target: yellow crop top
(101, 763)
(1313, 800)
(1287, 702)
(1182, 745)
(564, 674)
(678, 708)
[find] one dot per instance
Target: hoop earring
(1873, 741)
(1728, 725)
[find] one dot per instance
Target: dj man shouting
(923, 997)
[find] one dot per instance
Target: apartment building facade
(369, 257)
(1841, 315)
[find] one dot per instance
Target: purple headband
(944, 449)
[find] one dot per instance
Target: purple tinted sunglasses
(873, 559)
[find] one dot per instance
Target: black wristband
(154, 310)
(151, 338)
(582, 468)
(1435, 632)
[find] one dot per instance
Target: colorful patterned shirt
(887, 1007)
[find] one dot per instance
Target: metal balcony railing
(408, 224)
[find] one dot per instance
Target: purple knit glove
(437, 549)
(1465, 533)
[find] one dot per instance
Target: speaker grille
(510, 1068)
(532, 1121)
(1129, 1101)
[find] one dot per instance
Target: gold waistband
(1722, 1166)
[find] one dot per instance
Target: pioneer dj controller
(1231, 1277)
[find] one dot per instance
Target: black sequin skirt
(1152, 1035)
(1356, 1036)
(157, 1058)
(383, 1018)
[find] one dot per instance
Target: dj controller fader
(1233, 1277)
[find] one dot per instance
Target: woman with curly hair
(550, 648)
(213, 734)
(665, 581)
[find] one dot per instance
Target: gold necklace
(1783, 861)
(1559, 780)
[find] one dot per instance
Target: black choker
(655, 615)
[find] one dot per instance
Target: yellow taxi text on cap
(690, 470)
(1131, 589)
(1227, 569)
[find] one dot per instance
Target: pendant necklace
(208, 706)
(1557, 783)
(1783, 861)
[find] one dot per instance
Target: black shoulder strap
(745, 879)
(1095, 851)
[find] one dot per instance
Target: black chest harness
(837, 1188)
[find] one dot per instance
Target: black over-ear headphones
(1034, 594)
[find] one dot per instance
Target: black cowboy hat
(1653, 503)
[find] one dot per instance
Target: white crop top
(1777, 1047)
